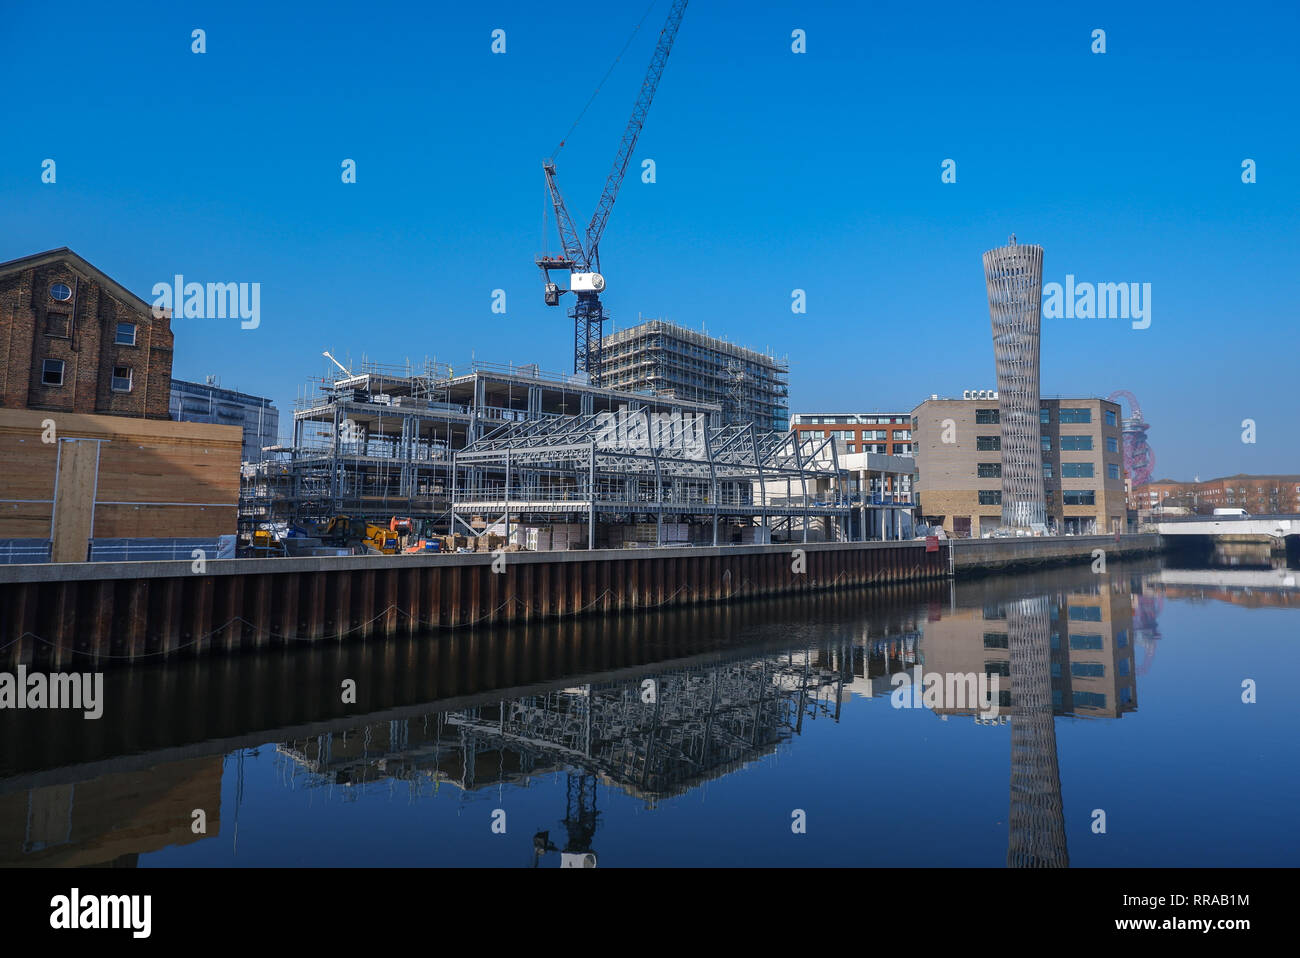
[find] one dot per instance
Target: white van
(1231, 512)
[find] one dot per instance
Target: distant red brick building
(1258, 495)
(74, 340)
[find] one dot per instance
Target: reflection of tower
(1146, 627)
(1037, 821)
(1139, 460)
(1014, 275)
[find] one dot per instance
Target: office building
(961, 483)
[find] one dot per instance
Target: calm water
(705, 737)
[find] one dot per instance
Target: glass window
(1088, 670)
(1076, 443)
(1085, 613)
(52, 372)
(1112, 444)
(1112, 470)
(1126, 695)
(122, 379)
(1085, 642)
(1047, 470)
(985, 417)
(998, 668)
(988, 443)
(1076, 470)
(1044, 415)
(1078, 497)
(1122, 666)
(1047, 443)
(989, 470)
(61, 292)
(1068, 414)
(995, 640)
(1091, 700)
(1110, 417)
(1121, 638)
(990, 497)
(125, 334)
(1056, 670)
(1056, 698)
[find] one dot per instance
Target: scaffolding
(671, 360)
(653, 471)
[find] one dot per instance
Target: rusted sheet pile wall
(108, 613)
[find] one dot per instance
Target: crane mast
(581, 260)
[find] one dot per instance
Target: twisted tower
(1014, 275)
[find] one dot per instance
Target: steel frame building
(637, 465)
(1014, 275)
(381, 442)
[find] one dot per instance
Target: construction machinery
(581, 256)
(348, 531)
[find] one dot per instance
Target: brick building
(1259, 495)
(76, 341)
(959, 464)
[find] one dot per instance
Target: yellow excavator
(348, 530)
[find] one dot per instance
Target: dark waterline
(699, 737)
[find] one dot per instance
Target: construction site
(660, 436)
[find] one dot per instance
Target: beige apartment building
(958, 445)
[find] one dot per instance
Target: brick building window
(56, 324)
(989, 470)
(52, 372)
(61, 292)
(988, 443)
(985, 417)
(125, 334)
(990, 497)
(121, 379)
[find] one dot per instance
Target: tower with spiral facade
(1014, 275)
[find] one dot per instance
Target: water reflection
(736, 686)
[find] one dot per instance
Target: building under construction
(678, 363)
(610, 480)
(381, 442)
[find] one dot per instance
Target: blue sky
(775, 171)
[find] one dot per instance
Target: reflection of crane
(582, 259)
(579, 822)
(1139, 460)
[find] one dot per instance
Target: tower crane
(581, 256)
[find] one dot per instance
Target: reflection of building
(652, 738)
(1090, 643)
(1036, 832)
(111, 819)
